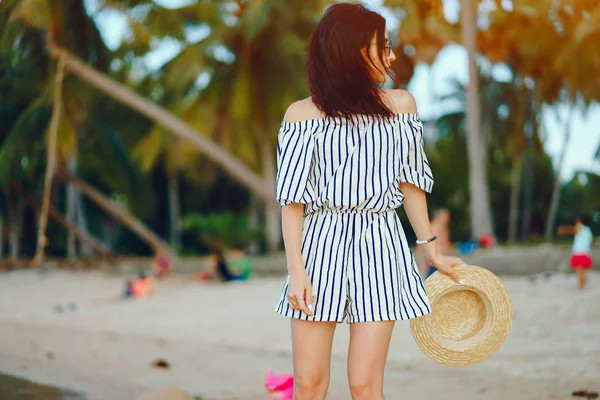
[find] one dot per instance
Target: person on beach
(219, 269)
(581, 253)
(347, 157)
(161, 265)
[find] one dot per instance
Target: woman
(348, 156)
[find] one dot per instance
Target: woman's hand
(299, 294)
(446, 265)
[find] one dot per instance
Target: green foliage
(580, 196)
(225, 230)
(254, 56)
(450, 169)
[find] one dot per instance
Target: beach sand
(218, 340)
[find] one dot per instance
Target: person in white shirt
(581, 254)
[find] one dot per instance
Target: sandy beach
(71, 330)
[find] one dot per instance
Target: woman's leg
(580, 277)
(369, 344)
(311, 347)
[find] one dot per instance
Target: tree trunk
(70, 226)
(1, 237)
(72, 209)
(128, 220)
(50, 160)
(84, 249)
(15, 218)
(273, 227)
(92, 242)
(211, 150)
(515, 191)
(528, 178)
(254, 222)
(272, 209)
(481, 220)
(549, 234)
(174, 212)
(110, 232)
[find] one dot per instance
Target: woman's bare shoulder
(401, 101)
(302, 110)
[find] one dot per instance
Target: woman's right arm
(566, 230)
(292, 219)
(300, 289)
(295, 148)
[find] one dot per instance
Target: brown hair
(339, 76)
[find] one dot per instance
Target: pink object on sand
(139, 288)
(279, 387)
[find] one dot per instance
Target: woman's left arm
(415, 205)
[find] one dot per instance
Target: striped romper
(347, 173)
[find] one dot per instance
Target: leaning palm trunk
(481, 220)
(51, 161)
(557, 185)
(211, 150)
(82, 235)
(113, 209)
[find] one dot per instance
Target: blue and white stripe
(347, 173)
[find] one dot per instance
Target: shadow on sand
(12, 388)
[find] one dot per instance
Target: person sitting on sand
(161, 265)
(240, 263)
(141, 287)
(581, 254)
(219, 269)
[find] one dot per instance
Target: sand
(218, 340)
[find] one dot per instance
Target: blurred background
(144, 127)
(166, 112)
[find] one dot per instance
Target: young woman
(348, 156)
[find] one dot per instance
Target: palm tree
(78, 102)
(247, 93)
(51, 162)
(549, 234)
(502, 124)
(574, 77)
(252, 92)
(481, 218)
(256, 30)
(425, 28)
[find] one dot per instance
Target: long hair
(339, 76)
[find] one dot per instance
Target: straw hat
(468, 322)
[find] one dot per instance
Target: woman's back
(357, 165)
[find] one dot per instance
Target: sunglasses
(389, 47)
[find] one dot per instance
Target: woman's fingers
(292, 301)
(302, 306)
(311, 304)
(454, 275)
(309, 299)
(298, 302)
(447, 265)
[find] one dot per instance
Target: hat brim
(468, 322)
